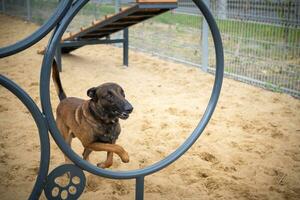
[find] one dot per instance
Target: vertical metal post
(205, 41)
(139, 188)
(58, 58)
(3, 6)
(117, 9)
(222, 9)
(117, 6)
(28, 6)
(95, 9)
(125, 46)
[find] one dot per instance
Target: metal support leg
(117, 6)
(58, 58)
(28, 6)
(3, 6)
(125, 47)
(139, 188)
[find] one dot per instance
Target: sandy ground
(249, 150)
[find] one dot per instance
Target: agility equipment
(45, 120)
(100, 30)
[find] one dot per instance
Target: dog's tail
(57, 82)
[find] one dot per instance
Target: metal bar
(139, 188)
(205, 47)
(3, 6)
(28, 6)
(58, 58)
(89, 42)
(117, 6)
(125, 46)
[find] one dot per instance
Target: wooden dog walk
(99, 29)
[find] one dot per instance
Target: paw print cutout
(65, 182)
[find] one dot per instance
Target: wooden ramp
(142, 10)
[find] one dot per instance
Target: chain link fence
(261, 37)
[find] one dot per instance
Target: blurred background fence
(261, 37)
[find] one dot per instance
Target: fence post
(28, 6)
(117, 9)
(3, 6)
(222, 9)
(117, 6)
(205, 30)
(95, 9)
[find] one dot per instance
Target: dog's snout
(128, 108)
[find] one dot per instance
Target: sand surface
(249, 150)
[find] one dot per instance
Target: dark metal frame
(47, 116)
(81, 43)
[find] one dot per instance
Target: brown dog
(94, 122)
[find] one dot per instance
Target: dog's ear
(92, 93)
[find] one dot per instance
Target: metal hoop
(47, 109)
(59, 13)
(43, 133)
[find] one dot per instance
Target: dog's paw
(104, 165)
(125, 157)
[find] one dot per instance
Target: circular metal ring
(43, 133)
(60, 11)
(47, 109)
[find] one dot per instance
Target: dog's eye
(122, 93)
(109, 96)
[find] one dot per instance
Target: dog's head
(110, 97)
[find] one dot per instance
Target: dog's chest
(107, 132)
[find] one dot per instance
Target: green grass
(102, 9)
(180, 19)
(258, 31)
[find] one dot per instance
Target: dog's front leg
(108, 162)
(109, 159)
(110, 148)
(86, 153)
